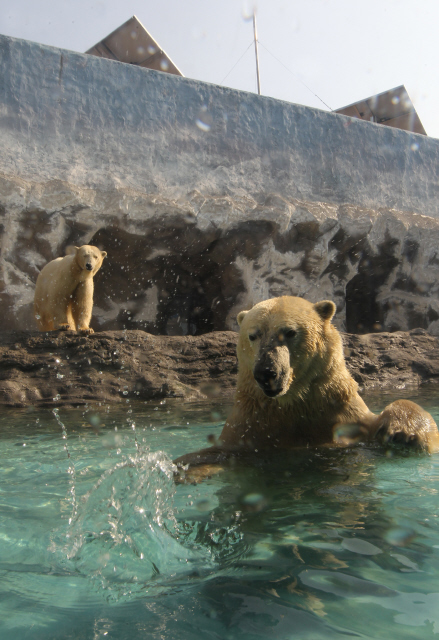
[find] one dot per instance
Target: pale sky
(344, 51)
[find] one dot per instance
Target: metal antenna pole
(256, 51)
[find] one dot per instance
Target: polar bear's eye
(252, 336)
(290, 333)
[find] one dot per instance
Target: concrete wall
(98, 123)
(207, 199)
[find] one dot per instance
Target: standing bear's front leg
(405, 422)
(61, 317)
(82, 305)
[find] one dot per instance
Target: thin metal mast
(256, 51)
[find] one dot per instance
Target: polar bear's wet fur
(294, 389)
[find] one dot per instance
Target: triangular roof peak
(131, 43)
(392, 108)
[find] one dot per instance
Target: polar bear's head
(88, 257)
(286, 342)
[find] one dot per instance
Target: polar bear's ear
(103, 254)
(70, 250)
(325, 309)
(240, 316)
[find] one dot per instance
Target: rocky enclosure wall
(208, 200)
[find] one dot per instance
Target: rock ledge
(64, 368)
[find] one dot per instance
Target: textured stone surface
(187, 267)
(208, 199)
(102, 124)
(62, 368)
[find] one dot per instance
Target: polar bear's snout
(89, 266)
(266, 379)
(272, 372)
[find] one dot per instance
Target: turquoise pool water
(96, 540)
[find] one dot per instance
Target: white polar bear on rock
(64, 290)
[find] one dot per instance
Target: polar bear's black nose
(264, 376)
(89, 266)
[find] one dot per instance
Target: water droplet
(347, 434)
(133, 34)
(395, 100)
(211, 390)
(141, 51)
(151, 50)
(125, 393)
(164, 65)
(38, 317)
(400, 536)
(248, 9)
(204, 119)
(59, 376)
(56, 398)
(254, 502)
(94, 420)
(204, 505)
(414, 146)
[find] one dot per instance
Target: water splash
(123, 534)
(71, 471)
